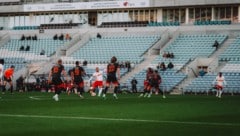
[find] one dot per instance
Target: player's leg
(100, 88)
(220, 92)
(106, 89)
(80, 89)
(11, 87)
(57, 92)
(115, 84)
(4, 86)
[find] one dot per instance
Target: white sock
(99, 91)
(115, 95)
(220, 93)
(217, 93)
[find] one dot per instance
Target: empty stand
(188, 47)
(125, 48)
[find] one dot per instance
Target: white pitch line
(34, 98)
(124, 120)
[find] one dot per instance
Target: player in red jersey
(76, 74)
(148, 83)
(54, 78)
(113, 76)
(7, 78)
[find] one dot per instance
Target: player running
(148, 83)
(54, 77)
(113, 75)
(98, 82)
(220, 81)
(7, 79)
(76, 75)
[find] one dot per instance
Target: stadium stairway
(137, 68)
(180, 88)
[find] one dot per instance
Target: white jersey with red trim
(220, 80)
(98, 76)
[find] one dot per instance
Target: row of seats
(25, 27)
(216, 22)
(232, 52)
(189, 47)
(176, 23)
(125, 49)
(205, 84)
(124, 24)
(35, 46)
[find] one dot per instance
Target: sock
(115, 89)
(105, 90)
(220, 93)
(11, 89)
(217, 93)
(3, 88)
(99, 91)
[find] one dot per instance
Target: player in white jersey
(219, 83)
(1, 72)
(98, 82)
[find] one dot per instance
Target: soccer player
(113, 75)
(54, 77)
(1, 73)
(7, 79)
(98, 82)
(220, 81)
(148, 83)
(157, 80)
(76, 75)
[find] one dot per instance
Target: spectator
(170, 65)
(162, 66)
(55, 37)
(42, 52)
(216, 44)
(61, 37)
(68, 37)
(34, 37)
(27, 48)
(99, 36)
(21, 48)
(164, 55)
(23, 37)
(134, 85)
(171, 55)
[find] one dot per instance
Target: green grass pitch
(37, 114)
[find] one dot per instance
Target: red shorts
(97, 84)
(218, 87)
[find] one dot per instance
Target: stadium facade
(94, 13)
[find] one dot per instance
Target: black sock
(105, 90)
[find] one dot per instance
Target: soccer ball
(93, 94)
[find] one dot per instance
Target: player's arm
(65, 75)
(50, 76)
(118, 73)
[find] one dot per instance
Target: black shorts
(7, 79)
(111, 79)
(57, 81)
